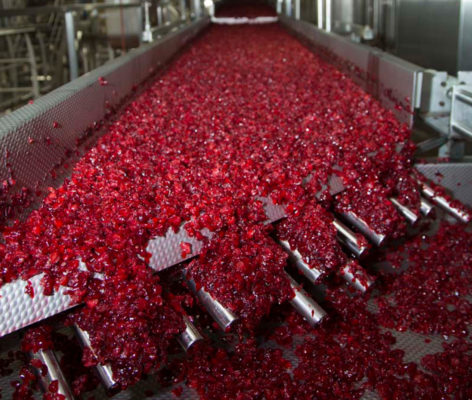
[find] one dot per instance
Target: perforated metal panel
(19, 309)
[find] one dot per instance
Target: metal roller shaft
(190, 336)
(374, 237)
(312, 274)
(223, 317)
(305, 305)
(426, 207)
(54, 373)
(405, 211)
(444, 203)
(348, 238)
(104, 371)
(357, 277)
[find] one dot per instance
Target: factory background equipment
(123, 44)
(47, 44)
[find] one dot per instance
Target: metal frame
(170, 14)
(461, 112)
(20, 53)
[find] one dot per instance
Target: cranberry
(246, 112)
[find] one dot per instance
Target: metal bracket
(461, 112)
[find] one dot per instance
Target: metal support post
(320, 13)
(183, 10)
(328, 16)
(288, 8)
(197, 8)
(71, 51)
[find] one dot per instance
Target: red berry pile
(244, 270)
(245, 112)
(130, 326)
(439, 278)
(312, 233)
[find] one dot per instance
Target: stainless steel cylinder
(425, 207)
(348, 238)
(444, 203)
(351, 275)
(405, 211)
(305, 305)
(48, 358)
(190, 336)
(312, 274)
(359, 223)
(104, 371)
(222, 316)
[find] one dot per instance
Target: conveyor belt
(170, 256)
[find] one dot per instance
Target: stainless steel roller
(190, 335)
(357, 277)
(364, 228)
(104, 371)
(312, 274)
(305, 305)
(222, 316)
(444, 203)
(349, 239)
(425, 207)
(54, 373)
(405, 211)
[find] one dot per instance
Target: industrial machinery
(40, 142)
(44, 47)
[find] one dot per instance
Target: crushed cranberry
(452, 369)
(246, 112)
(430, 297)
(130, 327)
(186, 249)
(29, 290)
(248, 373)
(244, 270)
(37, 339)
(312, 233)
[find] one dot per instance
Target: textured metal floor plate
(19, 309)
